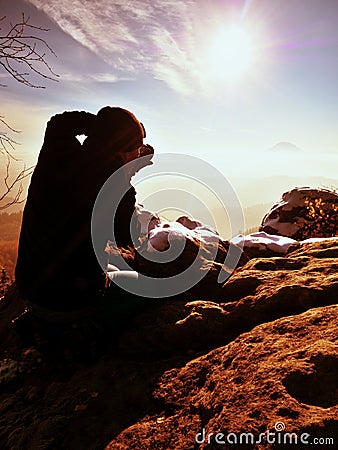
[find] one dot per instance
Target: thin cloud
(159, 38)
(107, 78)
(96, 77)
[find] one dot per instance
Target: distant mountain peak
(285, 147)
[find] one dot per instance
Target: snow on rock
(200, 230)
(171, 249)
(190, 223)
(195, 224)
(184, 229)
(309, 241)
(160, 237)
(264, 241)
(256, 244)
(288, 219)
(148, 220)
(303, 213)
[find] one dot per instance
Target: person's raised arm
(63, 128)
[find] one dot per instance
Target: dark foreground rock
(281, 375)
(263, 351)
(263, 290)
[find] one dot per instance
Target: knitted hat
(118, 128)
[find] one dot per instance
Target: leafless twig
(13, 187)
(22, 55)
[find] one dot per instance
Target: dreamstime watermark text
(278, 436)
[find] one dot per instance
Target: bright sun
(231, 54)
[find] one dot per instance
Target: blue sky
(154, 57)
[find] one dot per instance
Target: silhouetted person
(57, 268)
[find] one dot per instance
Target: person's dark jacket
(57, 267)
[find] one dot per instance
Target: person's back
(57, 267)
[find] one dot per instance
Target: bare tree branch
(13, 187)
(7, 141)
(22, 55)
(16, 183)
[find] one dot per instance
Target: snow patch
(264, 241)
(160, 237)
(147, 219)
(307, 241)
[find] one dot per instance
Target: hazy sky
(224, 80)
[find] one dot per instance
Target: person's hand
(147, 150)
(146, 153)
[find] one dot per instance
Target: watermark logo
(278, 436)
(279, 426)
(186, 184)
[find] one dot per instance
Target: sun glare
(230, 54)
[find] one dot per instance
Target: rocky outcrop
(303, 213)
(263, 290)
(281, 376)
(258, 350)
